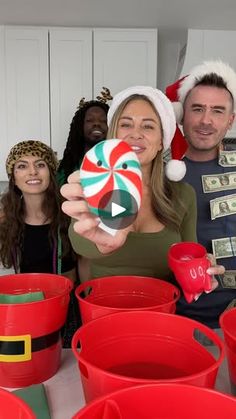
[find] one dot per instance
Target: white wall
(171, 46)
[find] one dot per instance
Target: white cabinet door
(123, 58)
(26, 85)
(220, 45)
(3, 113)
(194, 50)
(209, 45)
(70, 79)
(44, 72)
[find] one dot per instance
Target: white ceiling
(162, 14)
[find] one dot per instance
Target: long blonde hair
(163, 194)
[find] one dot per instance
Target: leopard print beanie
(31, 148)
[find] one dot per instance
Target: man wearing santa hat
(206, 103)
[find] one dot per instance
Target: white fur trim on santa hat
(178, 110)
(161, 103)
(217, 67)
(175, 170)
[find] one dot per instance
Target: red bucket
(139, 347)
(113, 294)
(228, 325)
(30, 339)
(169, 401)
(12, 407)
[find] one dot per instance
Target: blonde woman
(144, 118)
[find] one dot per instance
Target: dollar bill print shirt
(211, 229)
(208, 307)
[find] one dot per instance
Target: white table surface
(65, 394)
(64, 389)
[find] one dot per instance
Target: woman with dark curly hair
(88, 127)
(33, 229)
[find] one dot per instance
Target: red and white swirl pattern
(110, 165)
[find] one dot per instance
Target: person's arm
(189, 222)
(87, 224)
(84, 269)
(189, 228)
(82, 246)
(71, 275)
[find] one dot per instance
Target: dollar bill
(166, 155)
(224, 248)
(223, 206)
(227, 158)
(219, 182)
(228, 280)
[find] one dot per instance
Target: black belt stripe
(37, 344)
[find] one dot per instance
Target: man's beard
(198, 148)
(205, 147)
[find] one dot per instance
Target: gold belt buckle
(26, 356)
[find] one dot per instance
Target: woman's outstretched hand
(87, 224)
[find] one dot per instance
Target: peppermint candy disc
(111, 165)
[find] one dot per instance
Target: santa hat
(178, 91)
(219, 68)
(179, 145)
(175, 169)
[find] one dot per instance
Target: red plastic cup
(12, 407)
(33, 328)
(188, 261)
(139, 347)
(228, 325)
(162, 400)
(111, 294)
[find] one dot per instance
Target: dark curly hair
(75, 146)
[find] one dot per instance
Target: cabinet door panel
(70, 79)
(194, 50)
(124, 57)
(27, 84)
(3, 111)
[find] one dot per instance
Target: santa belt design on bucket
(19, 348)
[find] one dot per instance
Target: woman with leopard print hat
(33, 228)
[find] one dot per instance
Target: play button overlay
(117, 209)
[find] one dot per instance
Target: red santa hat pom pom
(172, 94)
(175, 170)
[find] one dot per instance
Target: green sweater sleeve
(188, 227)
(188, 211)
(82, 246)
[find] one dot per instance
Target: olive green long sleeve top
(143, 254)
